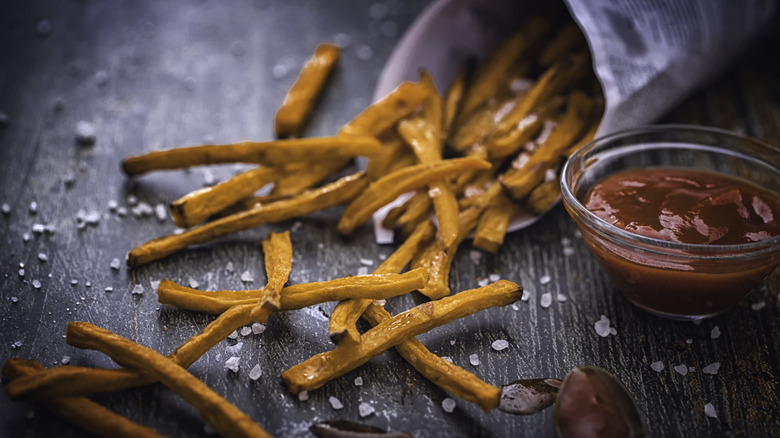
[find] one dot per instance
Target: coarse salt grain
(257, 328)
(335, 403)
(358, 381)
(255, 372)
(303, 395)
(229, 267)
(115, 264)
(233, 364)
(494, 278)
(602, 327)
(711, 368)
(246, 331)
(193, 283)
(483, 282)
(500, 344)
(657, 366)
(561, 298)
(161, 212)
(365, 409)
(36, 284)
(758, 306)
(715, 332)
(138, 290)
(474, 359)
(363, 270)
(247, 277)
(475, 257)
(526, 296)
(681, 369)
(709, 410)
(448, 405)
(233, 350)
(546, 300)
(5, 208)
(545, 279)
(233, 335)
(366, 262)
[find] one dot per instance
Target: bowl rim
(652, 244)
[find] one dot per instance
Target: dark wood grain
(152, 75)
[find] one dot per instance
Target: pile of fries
(467, 159)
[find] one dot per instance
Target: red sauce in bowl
(686, 206)
(709, 210)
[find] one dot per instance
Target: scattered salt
(483, 282)
(65, 360)
(758, 306)
(229, 267)
(474, 359)
(74, 282)
(364, 52)
(109, 289)
(711, 368)
(38, 228)
(342, 40)
(142, 209)
(358, 381)
(36, 284)
(545, 279)
(33, 207)
(21, 272)
(546, 300)
(709, 410)
(500, 344)
(246, 331)
(112, 205)
(247, 277)
(494, 278)
(233, 350)
(161, 212)
(257, 328)
(715, 332)
(255, 372)
(303, 395)
(233, 364)
(561, 297)
(115, 264)
(366, 262)
(233, 335)
(193, 283)
(42, 257)
(335, 403)
(657, 366)
(602, 327)
(85, 132)
(526, 296)
(5, 208)
(682, 369)
(44, 28)
(448, 359)
(138, 290)
(363, 270)
(14, 300)
(365, 409)
(448, 405)
(26, 237)
(17, 344)
(209, 179)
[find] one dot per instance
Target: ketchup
(690, 207)
(687, 206)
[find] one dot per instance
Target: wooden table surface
(152, 75)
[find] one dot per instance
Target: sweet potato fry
(277, 249)
(273, 152)
(520, 134)
(491, 75)
(294, 112)
(493, 224)
(440, 371)
(81, 411)
(70, 380)
(543, 196)
(319, 369)
(331, 195)
(518, 182)
(299, 177)
(560, 76)
(568, 39)
(341, 327)
(223, 416)
(453, 97)
(297, 296)
(197, 206)
(389, 187)
(381, 115)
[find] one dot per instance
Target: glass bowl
(673, 279)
